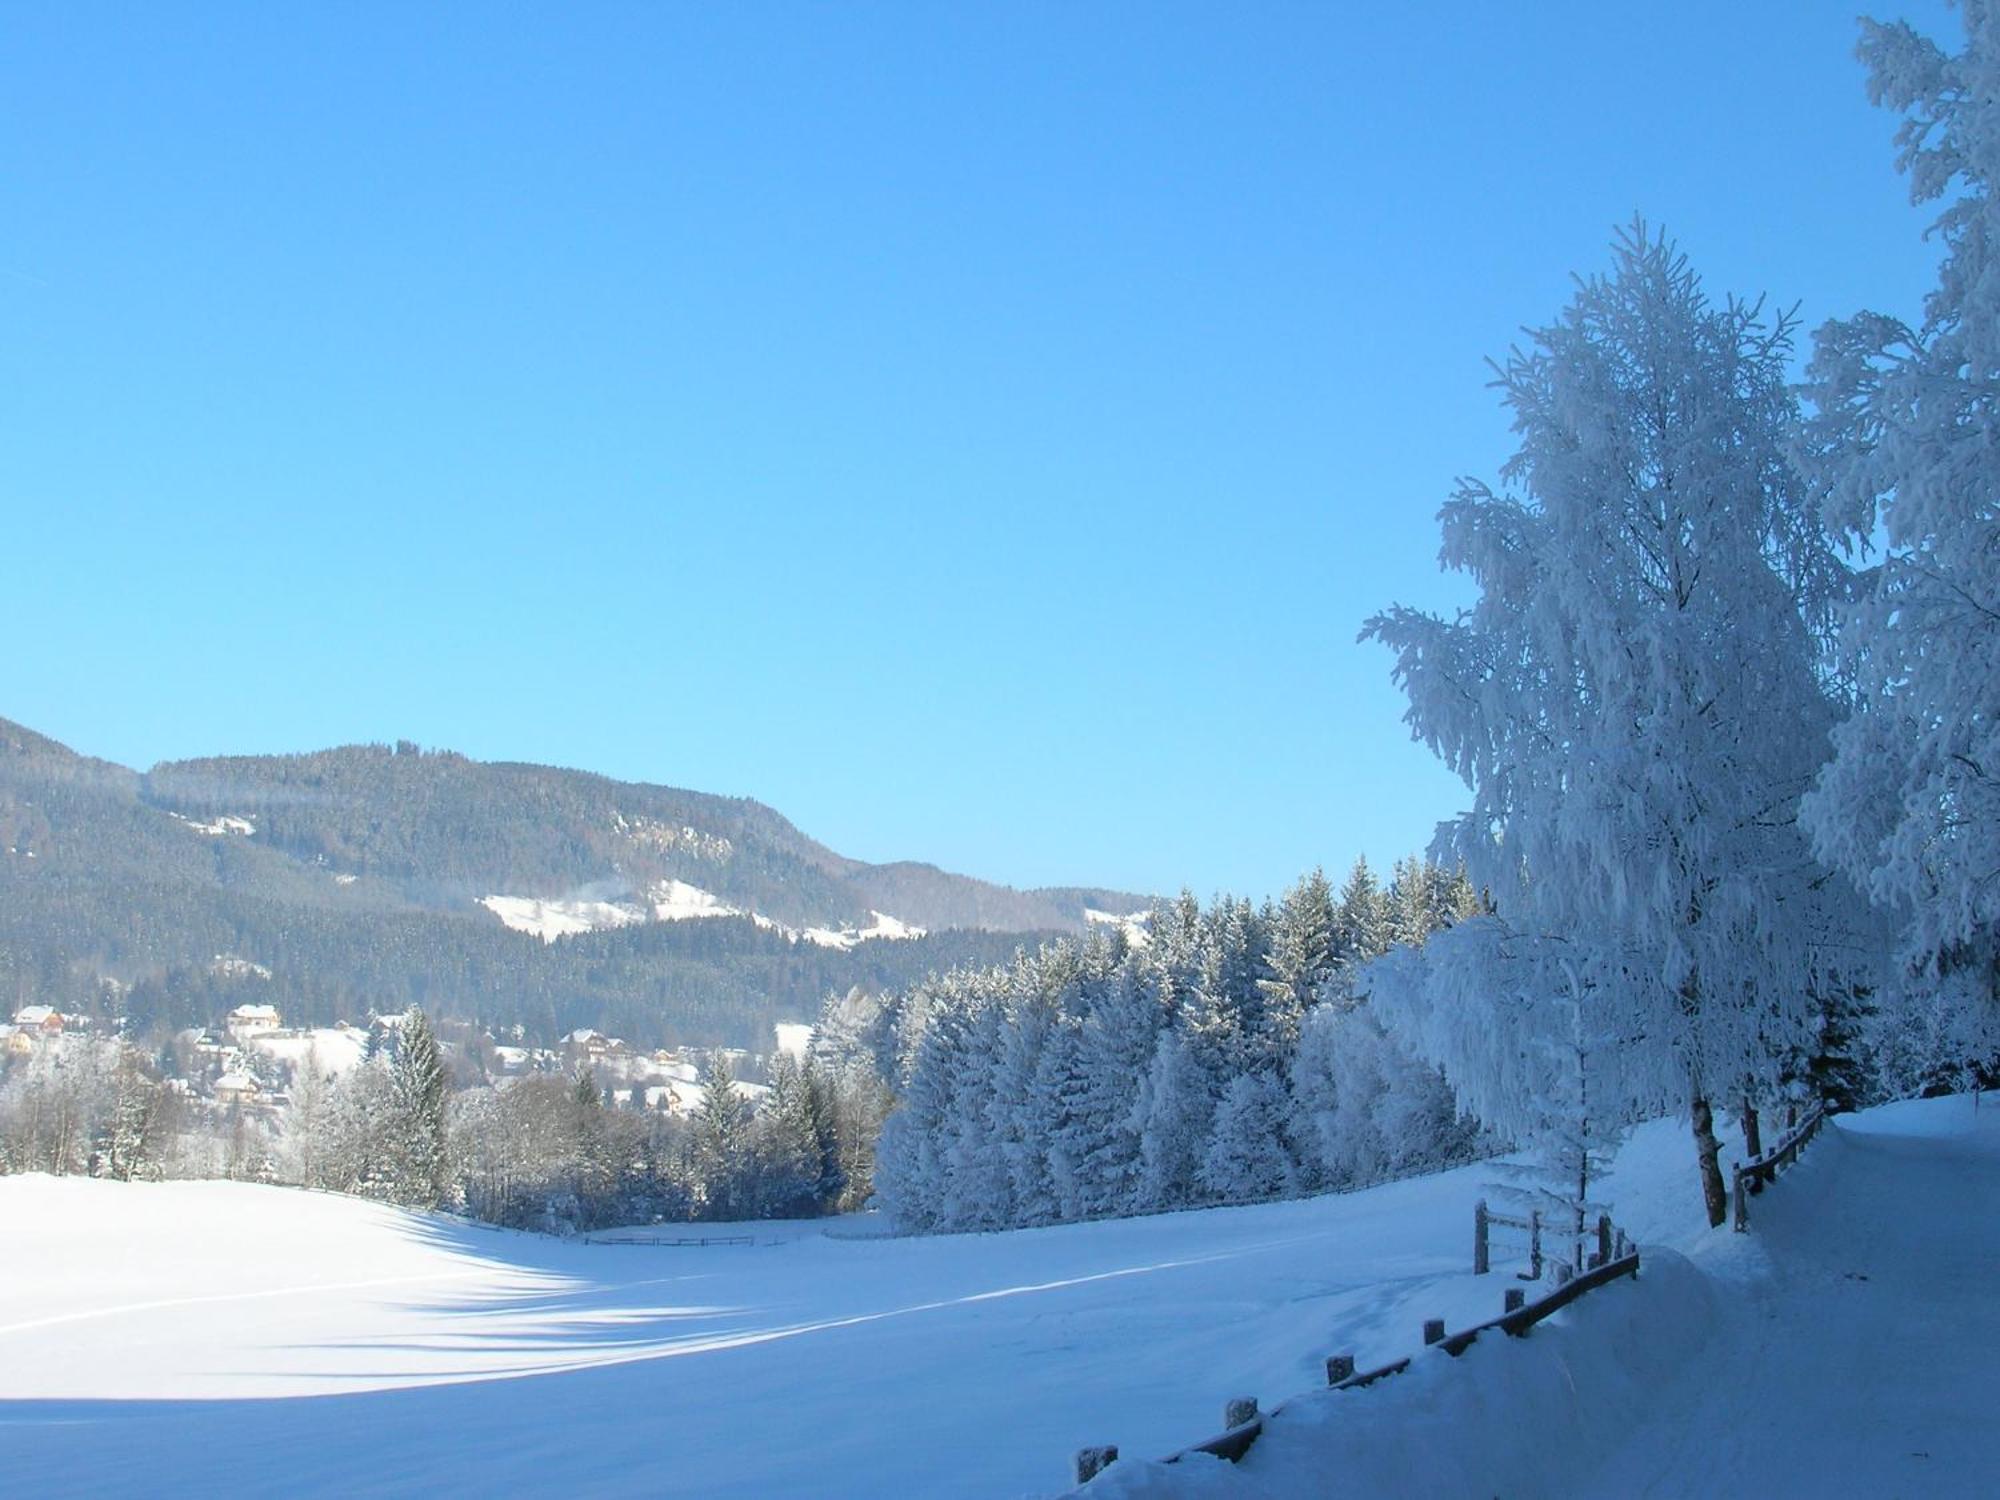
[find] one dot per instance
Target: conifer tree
(421, 1160)
(717, 1146)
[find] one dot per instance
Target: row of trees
(546, 1151)
(1692, 696)
(1224, 1059)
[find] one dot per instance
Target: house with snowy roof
(236, 1088)
(249, 1020)
(43, 1019)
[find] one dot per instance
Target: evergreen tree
(718, 1144)
(421, 1161)
(1363, 922)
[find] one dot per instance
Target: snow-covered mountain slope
(671, 901)
(141, 1324)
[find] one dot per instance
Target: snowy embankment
(145, 1327)
(1842, 1348)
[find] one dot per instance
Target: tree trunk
(1753, 1137)
(1707, 1150)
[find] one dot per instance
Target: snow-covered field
(169, 1338)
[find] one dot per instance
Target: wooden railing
(1484, 1220)
(1243, 1423)
(1752, 1175)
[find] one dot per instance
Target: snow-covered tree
(1634, 700)
(420, 1162)
(1906, 435)
(1247, 1155)
(719, 1144)
(1362, 922)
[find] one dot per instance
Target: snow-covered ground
(334, 1048)
(165, 1338)
(554, 918)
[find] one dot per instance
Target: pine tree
(1246, 1156)
(718, 1144)
(1363, 922)
(1305, 947)
(421, 1157)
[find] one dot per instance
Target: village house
(236, 1088)
(253, 1020)
(42, 1019)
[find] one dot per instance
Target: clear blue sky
(976, 432)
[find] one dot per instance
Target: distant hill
(374, 876)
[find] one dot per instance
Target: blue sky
(977, 432)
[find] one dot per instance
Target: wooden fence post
(1339, 1367)
(1535, 1245)
(1742, 1205)
(1237, 1410)
(1603, 1238)
(1090, 1462)
(1481, 1261)
(1433, 1331)
(1515, 1300)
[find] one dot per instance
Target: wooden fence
(1484, 1220)
(1243, 1423)
(679, 1239)
(1752, 1175)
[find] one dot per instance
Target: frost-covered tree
(419, 1159)
(1545, 1066)
(1634, 700)
(1906, 435)
(1304, 952)
(788, 1146)
(1118, 1035)
(1363, 922)
(718, 1144)
(1247, 1155)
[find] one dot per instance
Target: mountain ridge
(334, 862)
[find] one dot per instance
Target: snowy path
(1858, 1355)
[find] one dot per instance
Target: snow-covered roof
(33, 1015)
(254, 1013)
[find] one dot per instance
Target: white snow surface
(215, 828)
(677, 901)
(882, 926)
(144, 1329)
(549, 918)
(554, 918)
(1133, 924)
(794, 1038)
(334, 1048)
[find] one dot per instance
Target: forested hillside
(350, 880)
